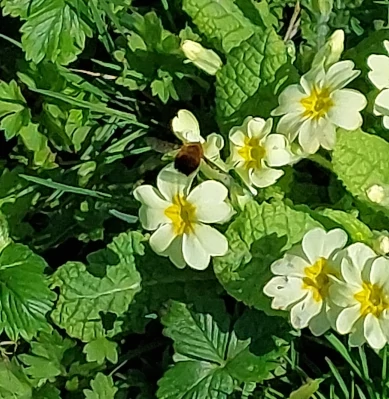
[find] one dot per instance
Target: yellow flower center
(318, 103)
(252, 152)
(317, 278)
(372, 299)
(182, 214)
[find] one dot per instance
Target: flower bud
(377, 194)
(205, 59)
(331, 51)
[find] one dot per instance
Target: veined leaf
(13, 381)
(257, 238)
(213, 358)
(361, 160)
(25, 296)
(102, 388)
(54, 31)
(84, 298)
(47, 354)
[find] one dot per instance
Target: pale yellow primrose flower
(313, 109)
(180, 218)
(205, 59)
(379, 76)
(254, 152)
(363, 295)
(303, 278)
(186, 127)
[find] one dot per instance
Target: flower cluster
(325, 284)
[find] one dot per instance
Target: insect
(188, 158)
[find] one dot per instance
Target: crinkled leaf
(259, 236)
(13, 381)
(102, 388)
(84, 298)
(47, 354)
(54, 30)
(25, 296)
(361, 160)
(213, 357)
(101, 349)
(222, 22)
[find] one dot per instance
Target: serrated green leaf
(84, 297)
(44, 363)
(102, 388)
(13, 109)
(222, 22)
(258, 237)
(54, 31)
(13, 382)
(213, 357)
(46, 392)
(25, 297)
(361, 160)
(248, 70)
(101, 349)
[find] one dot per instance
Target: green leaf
(46, 392)
(84, 298)
(242, 81)
(214, 357)
(13, 382)
(54, 31)
(258, 237)
(47, 354)
(25, 297)
(224, 23)
(361, 160)
(13, 109)
(102, 388)
(101, 349)
(307, 390)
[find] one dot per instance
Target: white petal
(237, 137)
(334, 240)
(385, 121)
(328, 136)
(258, 127)
(285, 291)
(379, 272)
(386, 45)
(379, 65)
(309, 135)
(213, 242)
(314, 77)
(313, 244)
(186, 127)
(244, 174)
(304, 311)
(162, 238)
(290, 100)
(345, 112)
(208, 192)
(194, 254)
(290, 265)
(384, 323)
(347, 318)
(212, 213)
(150, 197)
(357, 336)
(382, 102)
(170, 182)
(265, 177)
(319, 324)
(290, 125)
(212, 146)
(373, 333)
(342, 294)
(277, 152)
(174, 252)
(152, 218)
(340, 74)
